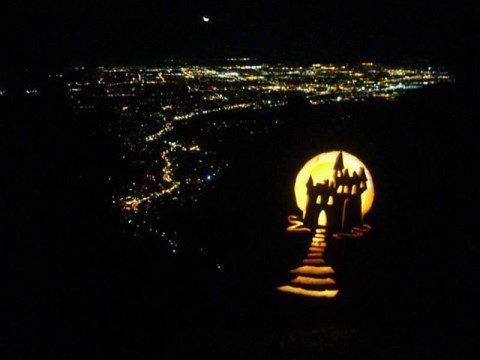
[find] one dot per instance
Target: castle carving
(336, 205)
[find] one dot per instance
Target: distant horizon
(59, 34)
(213, 61)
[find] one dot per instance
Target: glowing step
(303, 280)
(317, 255)
(313, 270)
(316, 249)
(313, 262)
(312, 293)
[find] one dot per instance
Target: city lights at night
(239, 180)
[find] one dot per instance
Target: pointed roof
(309, 182)
(339, 162)
(362, 175)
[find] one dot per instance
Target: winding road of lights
(229, 87)
(130, 203)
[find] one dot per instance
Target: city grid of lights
(168, 95)
(153, 103)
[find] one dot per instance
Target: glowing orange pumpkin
(334, 191)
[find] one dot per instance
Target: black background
(58, 32)
(74, 288)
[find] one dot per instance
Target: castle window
(330, 200)
(340, 189)
(319, 199)
(362, 185)
(345, 189)
(354, 190)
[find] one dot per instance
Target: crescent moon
(206, 19)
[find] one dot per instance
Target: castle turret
(340, 200)
(339, 162)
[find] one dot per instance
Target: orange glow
(296, 224)
(304, 292)
(314, 278)
(313, 262)
(321, 169)
(312, 281)
(313, 270)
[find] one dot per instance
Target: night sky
(55, 32)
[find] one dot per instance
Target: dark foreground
(75, 288)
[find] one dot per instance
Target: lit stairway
(313, 277)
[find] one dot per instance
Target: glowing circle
(206, 19)
(321, 168)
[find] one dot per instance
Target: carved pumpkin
(333, 191)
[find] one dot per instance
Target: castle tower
(338, 167)
(336, 205)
